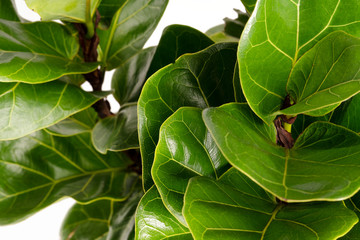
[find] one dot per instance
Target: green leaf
(117, 133)
(38, 52)
(235, 208)
(67, 10)
(78, 123)
(7, 10)
(238, 93)
(108, 9)
(327, 74)
(130, 77)
(131, 26)
(217, 34)
(175, 41)
(185, 149)
(303, 121)
(324, 163)
(104, 219)
(153, 220)
(249, 5)
(353, 204)
(40, 169)
(348, 114)
(26, 108)
(234, 27)
(277, 34)
(201, 79)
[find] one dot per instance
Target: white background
(199, 14)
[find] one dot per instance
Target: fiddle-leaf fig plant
(250, 130)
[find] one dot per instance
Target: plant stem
(287, 127)
(88, 21)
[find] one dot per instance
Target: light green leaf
(78, 123)
(175, 41)
(348, 114)
(277, 34)
(153, 220)
(131, 26)
(327, 74)
(7, 10)
(66, 10)
(102, 220)
(129, 78)
(26, 108)
(217, 34)
(303, 121)
(38, 52)
(40, 169)
(249, 5)
(235, 208)
(200, 79)
(117, 133)
(185, 149)
(324, 163)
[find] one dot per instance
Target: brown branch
(95, 78)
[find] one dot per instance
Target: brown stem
(95, 78)
(283, 137)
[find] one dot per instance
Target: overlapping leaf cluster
(193, 152)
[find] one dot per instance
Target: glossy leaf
(354, 205)
(117, 133)
(201, 79)
(328, 74)
(26, 108)
(277, 34)
(153, 220)
(78, 123)
(40, 169)
(131, 26)
(104, 219)
(238, 93)
(67, 10)
(38, 52)
(235, 208)
(185, 149)
(129, 78)
(249, 5)
(324, 163)
(175, 41)
(348, 114)
(108, 9)
(7, 10)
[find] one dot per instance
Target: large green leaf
(324, 163)
(129, 77)
(235, 208)
(102, 220)
(78, 123)
(201, 79)
(38, 52)
(175, 41)
(353, 204)
(277, 34)
(185, 149)
(7, 10)
(131, 26)
(40, 169)
(67, 10)
(26, 108)
(117, 133)
(348, 114)
(153, 220)
(327, 74)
